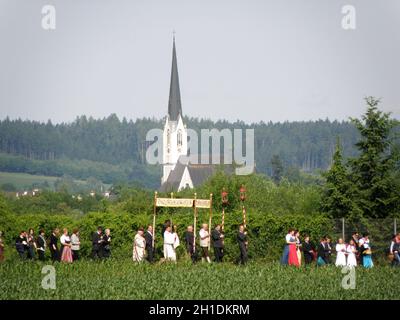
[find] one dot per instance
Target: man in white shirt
(204, 242)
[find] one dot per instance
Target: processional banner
(202, 203)
(173, 202)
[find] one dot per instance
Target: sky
(249, 60)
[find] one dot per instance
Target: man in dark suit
(218, 242)
(97, 239)
(53, 245)
(322, 252)
(21, 245)
(106, 244)
(41, 245)
(243, 244)
(308, 250)
(189, 242)
(328, 251)
(148, 236)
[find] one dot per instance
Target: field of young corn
(123, 279)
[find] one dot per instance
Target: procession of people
(356, 252)
(66, 248)
(298, 250)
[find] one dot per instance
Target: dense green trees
(363, 179)
(373, 171)
(111, 149)
(367, 184)
(271, 209)
(277, 168)
(339, 189)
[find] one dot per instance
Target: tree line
(305, 145)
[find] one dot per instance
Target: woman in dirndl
(293, 259)
(367, 254)
(65, 240)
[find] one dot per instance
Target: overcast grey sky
(250, 60)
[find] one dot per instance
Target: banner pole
(223, 219)
(343, 230)
(154, 217)
(194, 222)
(172, 225)
(244, 216)
(209, 226)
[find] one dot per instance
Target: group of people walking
(66, 247)
(30, 246)
(356, 252)
(143, 246)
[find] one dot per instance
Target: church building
(178, 173)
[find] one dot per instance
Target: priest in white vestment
(171, 242)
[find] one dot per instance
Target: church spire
(174, 103)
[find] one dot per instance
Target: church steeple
(175, 132)
(174, 103)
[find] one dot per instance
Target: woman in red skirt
(293, 258)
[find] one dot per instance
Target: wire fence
(380, 232)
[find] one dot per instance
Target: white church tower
(175, 133)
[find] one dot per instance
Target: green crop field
(25, 180)
(123, 279)
(21, 180)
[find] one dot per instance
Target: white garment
(75, 243)
(169, 245)
(288, 238)
(139, 245)
(64, 238)
(177, 243)
(351, 256)
(391, 247)
(204, 234)
(340, 255)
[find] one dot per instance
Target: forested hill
(121, 144)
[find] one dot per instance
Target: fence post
(343, 230)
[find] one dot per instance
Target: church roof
(174, 178)
(199, 173)
(174, 103)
